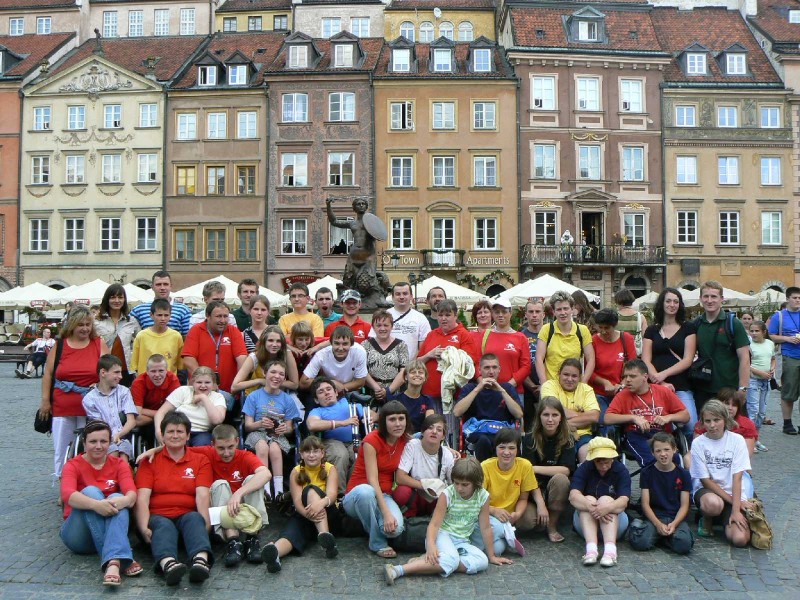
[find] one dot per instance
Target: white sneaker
(761, 447)
(608, 560)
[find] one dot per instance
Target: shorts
(790, 379)
(257, 436)
(724, 516)
(582, 441)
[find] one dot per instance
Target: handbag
(760, 530)
(473, 425)
(42, 425)
(701, 370)
(773, 384)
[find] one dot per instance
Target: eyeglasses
(297, 296)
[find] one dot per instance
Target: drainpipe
(164, 229)
(18, 269)
(519, 183)
(372, 140)
(663, 190)
(266, 239)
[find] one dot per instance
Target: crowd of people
(358, 426)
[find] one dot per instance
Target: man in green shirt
(246, 290)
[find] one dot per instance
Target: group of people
(488, 431)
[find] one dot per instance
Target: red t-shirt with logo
(662, 400)
(513, 352)
(147, 395)
(173, 484)
(458, 337)
(202, 346)
(360, 329)
(114, 478)
(242, 466)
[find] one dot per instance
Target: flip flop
(386, 552)
(134, 569)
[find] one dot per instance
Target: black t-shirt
(665, 489)
(664, 359)
(551, 456)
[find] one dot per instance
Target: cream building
(326, 18)
(253, 15)
(428, 20)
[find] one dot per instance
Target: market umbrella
(194, 293)
(329, 281)
(35, 294)
(731, 298)
(458, 293)
(543, 286)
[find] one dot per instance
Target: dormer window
(794, 16)
(343, 55)
(207, 75)
(481, 60)
(695, 63)
(237, 75)
(735, 64)
(401, 60)
(442, 60)
(587, 31)
(298, 57)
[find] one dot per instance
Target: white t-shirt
(352, 367)
(719, 460)
(421, 465)
(413, 328)
(181, 399)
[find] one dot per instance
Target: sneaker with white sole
(608, 560)
(590, 558)
(389, 574)
(761, 447)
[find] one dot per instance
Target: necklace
(651, 407)
(393, 447)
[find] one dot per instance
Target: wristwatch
(743, 388)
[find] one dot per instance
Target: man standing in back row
(784, 329)
(409, 325)
(162, 287)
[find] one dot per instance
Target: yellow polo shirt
(562, 347)
(583, 399)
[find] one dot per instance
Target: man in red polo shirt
(351, 305)
(149, 390)
(215, 344)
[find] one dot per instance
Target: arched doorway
(637, 285)
(495, 289)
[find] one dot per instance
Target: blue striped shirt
(178, 320)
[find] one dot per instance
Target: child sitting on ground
(418, 404)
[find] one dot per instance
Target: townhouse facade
(41, 17)
(254, 15)
(326, 18)
(427, 20)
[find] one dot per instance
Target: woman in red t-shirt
(98, 492)
(368, 497)
(612, 349)
(508, 345)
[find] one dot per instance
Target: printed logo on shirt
(720, 462)
(453, 338)
(110, 483)
(620, 356)
(236, 476)
(510, 347)
(226, 341)
(678, 484)
(517, 483)
(188, 473)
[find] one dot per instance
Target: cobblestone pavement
(35, 564)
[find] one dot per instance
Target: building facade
(254, 15)
(42, 17)
(326, 18)
(145, 18)
(427, 20)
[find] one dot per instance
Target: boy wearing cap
(508, 345)
(351, 305)
(600, 492)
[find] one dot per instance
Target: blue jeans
(622, 525)
(190, 526)
(454, 551)
(603, 401)
(757, 395)
(86, 532)
(361, 503)
(687, 399)
(200, 438)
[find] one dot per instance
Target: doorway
(591, 237)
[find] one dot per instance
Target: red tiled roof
(33, 48)
(422, 53)
(371, 47)
(773, 20)
(35, 4)
(443, 4)
(717, 29)
(253, 5)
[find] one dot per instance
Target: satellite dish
(437, 12)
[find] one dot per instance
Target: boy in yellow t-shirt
(158, 339)
(510, 481)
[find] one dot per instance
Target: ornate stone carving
(590, 137)
(96, 81)
(76, 138)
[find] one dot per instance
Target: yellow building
(254, 15)
(428, 20)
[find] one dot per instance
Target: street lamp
(394, 260)
(415, 279)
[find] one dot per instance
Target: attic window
(482, 60)
(587, 31)
(633, 34)
(343, 55)
(207, 76)
(695, 63)
(735, 64)
(298, 57)
(401, 60)
(237, 75)
(794, 16)
(540, 33)
(442, 60)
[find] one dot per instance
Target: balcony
(443, 259)
(616, 254)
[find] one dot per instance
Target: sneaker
(608, 560)
(761, 447)
(19, 373)
(389, 574)
(590, 558)
(252, 550)
(328, 542)
(269, 555)
(704, 530)
(233, 554)
(789, 430)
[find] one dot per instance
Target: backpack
(729, 328)
(552, 332)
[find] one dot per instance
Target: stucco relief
(706, 113)
(317, 234)
(76, 138)
(96, 81)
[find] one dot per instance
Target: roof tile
(422, 52)
(33, 48)
(443, 4)
(371, 47)
(35, 4)
(773, 20)
(253, 5)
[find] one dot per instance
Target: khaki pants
(341, 456)
(221, 493)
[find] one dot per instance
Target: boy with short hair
(149, 391)
(158, 339)
(298, 295)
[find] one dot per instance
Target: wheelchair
(137, 440)
(617, 434)
(467, 448)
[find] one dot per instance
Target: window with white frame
(44, 25)
(771, 228)
(634, 229)
(359, 26)
(184, 244)
(337, 235)
(402, 174)
(76, 117)
(485, 233)
(161, 20)
(217, 126)
(685, 115)
(247, 245)
(402, 116)
(589, 162)
(16, 26)
(444, 238)
(112, 116)
(483, 115)
(770, 117)
(39, 235)
(110, 234)
(294, 169)
(207, 75)
(294, 233)
(729, 227)
(185, 178)
(727, 116)
(402, 233)
(41, 118)
(544, 161)
(426, 32)
(544, 228)
(237, 74)
(485, 171)
(187, 21)
(632, 163)
(444, 171)
(770, 170)
(74, 231)
(148, 168)
(687, 227)
(254, 23)
(587, 31)
(76, 169)
(401, 60)
(135, 23)
(246, 125)
(187, 126)
(728, 170)
(442, 60)
(696, 63)
(295, 108)
(482, 60)
(216, 244)
(342, 106)
(736, 64)
(343, 55)
(246, 180)
(331, 26)
(794, 16)
(446, 30)
(686, 169)
(280, 22)
(298, 57)
(407, 30)
(40, 170)
(340, 168)
(111, 168)
(588, 93)
(631, 95)
(146, 233)
(544, 93)
(466, 32)
(215, 180)
(229, 24)
(148, 115)
(444, 115)
(110, 24)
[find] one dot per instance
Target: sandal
(133, 569)
(768, 422)
(112, 578)
(555, 537)
(200, 570)
(173, 571)
(386, 552)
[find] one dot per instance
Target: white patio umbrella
(458, 293)
(86, 293)
(276, 300)
(194, 293)
(543, 286)
(770, 296)
(137, 295)
(329, 281)
(22, 297)
(731, 298)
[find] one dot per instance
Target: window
(110, 233)
(41, 118)
(76, 117)
(426, 32)
(407, 30)
(359, 26)
(148, 168)
(483, 115)
(110, 24)
(237, 75)
(161, 17)
(444, 171)
(245, 180)
(727, 116)
(589, 162)
(295, 108)
(342, 106)
(254, 24)
(187, 126)
(112, 116)
(482, 60)
(587, 31)
(465, 32)
(187, 21)
(111, 168)
(340, 168)
(402, 115)
(631, 95)
(148, 115)
(331, 26)
(16, 26)
(340, 241)
(207, 75)
(44, 25)
(771, 228)
(687, 227)
(298, 57)
(685, 116)
(185, 178)
(146, 233)
(246, 125)
(402, 171)
(444, 115)
(216, 244)
(40, 169)
(215, 181)
(633, 229)
(696, 63)
(728, 169)
(401, 60)
(544, 96)
(293, 236)
(343, 55)
(794, 16)
(280, 22)
(247, 244)
(485, 234)
(402, 233)
(184, 244)
(770, 170)
(135, 23)
(294, 167)
(485, 169)
(40, 235)
(444, 238)
(544, 228)
(217, 125)
(446, 30)
(229, 24)
(770, 116)
(736, 64)
(729, 227)
(544, 161)
(76, 169)
(588, 93)
(442, 60)
(632, 164)
(73, 235)
(687, 169)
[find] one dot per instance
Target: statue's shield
(375, 227)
